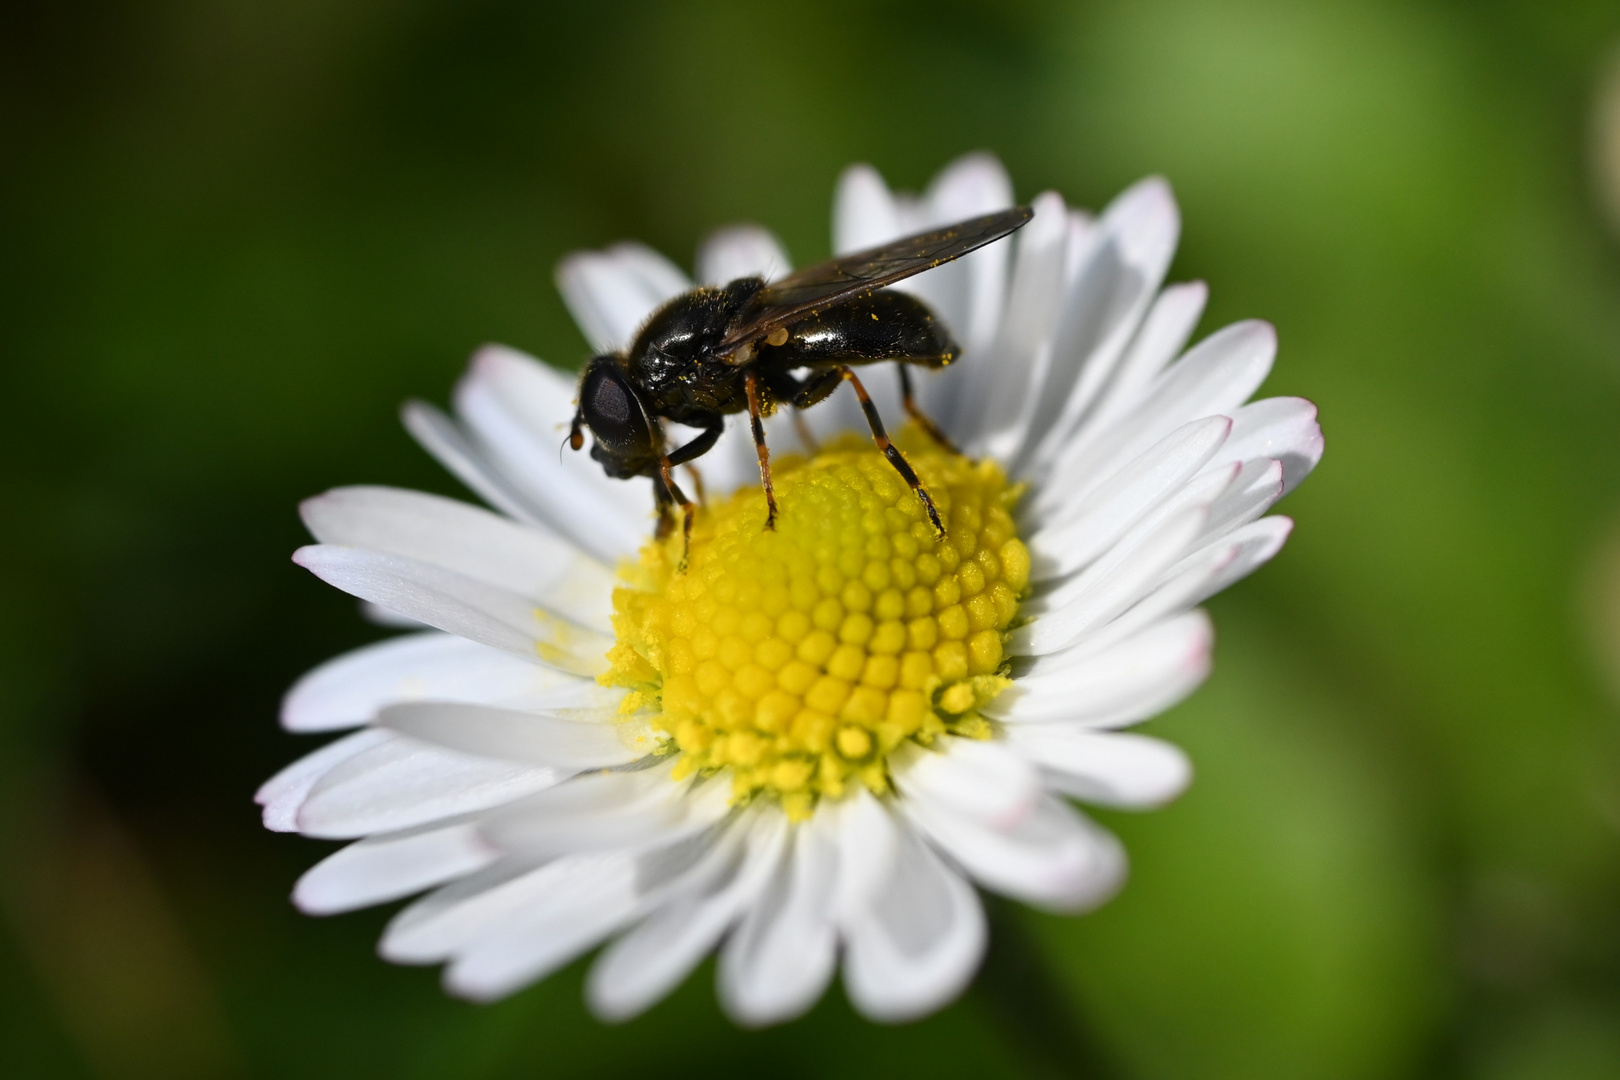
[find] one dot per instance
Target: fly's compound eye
(613, 413)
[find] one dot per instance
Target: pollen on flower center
(798, 659)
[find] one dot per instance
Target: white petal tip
(475, 989)
(1150, 189)
(1103, 884)
(860, 172)
(492, 357)
(310, 902)
(394, 954)
(610, 1010)
(415, 412)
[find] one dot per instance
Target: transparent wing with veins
(814, 288)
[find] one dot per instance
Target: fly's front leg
(670, 491)
(888, 448)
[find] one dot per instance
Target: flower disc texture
(807, 749)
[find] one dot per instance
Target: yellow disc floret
(798, 658)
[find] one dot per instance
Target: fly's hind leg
(813, 390)
(916, 413)
(890, 451)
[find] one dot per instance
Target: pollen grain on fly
(798, 659)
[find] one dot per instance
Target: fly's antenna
(575, 439)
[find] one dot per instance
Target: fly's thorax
(673, 359)
(794, 661)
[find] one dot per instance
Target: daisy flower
(808, 746)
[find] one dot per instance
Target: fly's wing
(825, 284)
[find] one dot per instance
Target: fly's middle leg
(757, 426)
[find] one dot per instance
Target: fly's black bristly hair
(719, 350)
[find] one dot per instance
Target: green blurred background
(234, 236)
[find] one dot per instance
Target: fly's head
(626, 439)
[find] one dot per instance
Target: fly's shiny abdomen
(885, 325)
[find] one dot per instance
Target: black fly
(716, 351)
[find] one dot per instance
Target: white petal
(780, 959)
(1111, 584)
(864, 212)
(1054, 858)
(402, 783)
(384, 868)
(658, 276)
(573, 740)
(868, 837)
(443, 438)
(971, 185)
(1257, 487)
(1136, 237)
(456, 603)
(1005, 387)
(606, 810)
(1284, 429)
(350, 689)
(740, 251)
(917, 941)
(1255, 543)
(649, 961)
(1121, 770)
(1203, 490)
(978, 779)
(1137, 678)
(486, 547)
(1202, 574)
(581, 907)
(285, 792)
(967, 294)
(610, 293)
(974, 286)
(1164, 332)
(381, 616)
(1216, 377)
(1082, 530)
(519, 411)
(435, 927)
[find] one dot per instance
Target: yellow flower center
(799, 658)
